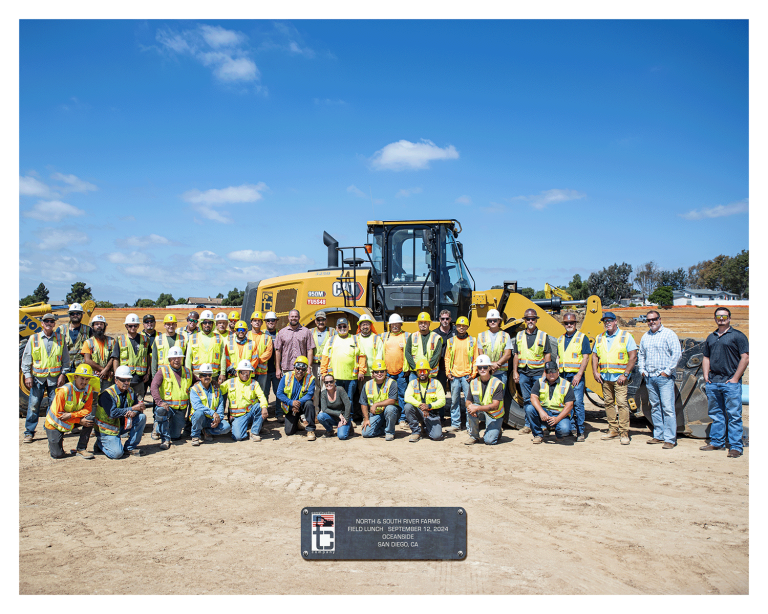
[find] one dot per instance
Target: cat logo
(266, 301)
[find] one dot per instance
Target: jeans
(292, 420)
(526, 383)
(55, 439)
(329, 421)
(350, 387)
(578, 414)
(112, 445)
(492, 427)
(458, 407)
(171, 424)
(39, 388)
(661, 394)
(200, 421)
(502, 376)
(417, 421)
(252, 420)
(382, 423)
(261, 380)
(562, 428)
(401, 379)
(725, 407)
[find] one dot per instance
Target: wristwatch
(626, 374)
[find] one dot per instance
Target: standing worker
(378, 402)
(72, 404)
(165, 341)
(170, 392)
(192, 320)
(486, 397)
(222, 324)
(423, 398)
(132, 350)
(205, 347)
(119, 412)
(657, 360)
(263, 348)
(75, 333)
(390, 347)
(573, 350)
(43, 364)
(497, 345)
(234, 318)
(613, 358)
(531, 352)
(320, 335)
(423, 344)
(366, 340)
(149, 328)
(270, 319)
(97, 350)
(446, 330)
(293, 341)
(552, 402)
(207, 405)
(343, 359)
(295, 393)
(460, 356)
(238, 347)
(247, 405)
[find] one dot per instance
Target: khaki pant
(615, 398)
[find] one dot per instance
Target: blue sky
(191, 157)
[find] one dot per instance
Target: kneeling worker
(295, 393)
(486, 397)
(170, 391)
(247, 403)
(116, 403)
(378, 403)
(552, 402)
(207, 407)
(72, 404)
(423, 397)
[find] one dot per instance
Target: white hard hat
(221, 316)
(395, 319)
(98, 318)
(123, 372)
(365, 318)
(206, 369)
(483, 361)
(206, 315)
(493, 314)
(271, 315)
(175, 352)
(131, 318)
(245, 365)
(76, 307)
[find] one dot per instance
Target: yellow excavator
(550, 291)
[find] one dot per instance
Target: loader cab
(418, 266)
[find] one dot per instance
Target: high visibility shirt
(431, 393)
(76, 345)
(420, 346)
(46, 363)
(291, 389)
(532, 357)
(164, 343)
(136, 361)
(486, 398)
(208, 400)
(175, 391)
(390, 348)
(235, 351)
(100, 351)
(367, 347)
(262, 351)
(613, 359)
(243, 396)
(569, 358)
(68, 399)
(460, 356)
(205, 349)
(320, 347)
(553, 398)
(108, 423)
(373, 393)
(186, 333)
(494, 349)
(342, 358)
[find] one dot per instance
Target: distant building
(702, 296)
(205, 301)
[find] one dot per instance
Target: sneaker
(471, 441)
(525, 430)
(668, 445)
(155, 435)
(580, 438)
(654, 440)
(311, 436)
(196, 441)
(82, 453)
(733, 454)
(255, 437)
(709, 447)
(29, 438)
(414, 437)
(452, 429)
(165, 445)
(625, 440)
(537, 439)
(389, 437)
(610, 435)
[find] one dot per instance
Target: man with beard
(207, 403)
(97, 350)
(262, 349)
(149, 328)
(170, 392)
(461, 353)
(247, 405)
(74, 334)
(160, 353)
(71, 405)
(423, 398)
(205, 347)
(118, 413)
(390, 347)
(132, 350)
(531, 353)
(295, 393)
(239, 347)
(222, 324)
(234, 318)
(366, 341)
(379, 404)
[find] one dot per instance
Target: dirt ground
(224, 518)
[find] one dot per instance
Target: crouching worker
(423, 397)
(551, 403)
(119, 413)
(486, 399)
(295, 393)
(72, 404)
(170, 391)
(247, 403)
(378, 403)
(207, 410)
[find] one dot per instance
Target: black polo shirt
(724, 353)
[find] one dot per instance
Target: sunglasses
(342, 327)
(192, 320)
(483, 368)
(300, 367)
(379, 372)
(319, 319)
(649, 320)
(123, 380)
(569, 322)
(445, 319)
(205, 375)
(328, 383)
(270, 320)
(722, 317)
(132, 325)
(530, 319)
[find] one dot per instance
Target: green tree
(677, 280)
(527, 292)
(41, 293)
(578, 289)
(646, 278)
(219, 295)
(79, 293)
(104, 305)
(164, 300)
(234, 298)
(662, 296)
(612, 283)
(539, 294)
(144, 302)
(27, 300)
(708, 273)
(735, 274)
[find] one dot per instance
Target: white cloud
(406, 155)
(741, 206)
(29, 186)
(26, 266)
(407, 192)
(52, 211)
(464, 200)
(286, 38)
(74, 184)
(217, 36)
(204, 202)
(249, 255)
(206, 258)
(353, 189)
(549, 197)
(131, 258)
(58, 238)
(144, 241)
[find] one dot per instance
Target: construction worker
(72, 404)
(238, 347)
(295, 393)
(423, 344)
(206, 347)
(390, 347)
(165, 341)
(573, 350)
(486, 397)
(43, 364)
(378, 402)
(132, 350)
(192, 321)
(118, 412)
(207, 404)
(320, 335)
(423, 398)
(75, 333)
(460, 355)
(97, 350)
(531, 352)
(552, 402)
(222, 324)
(247, 404)
(149, 328)
(497, 345)
(272, 381)
(263, 349)
(234, 318)
(445, 330)
(292, 341)
(613, 358)
(366, 339)
(170, 392)
(343, 359)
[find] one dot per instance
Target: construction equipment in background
(550, 291)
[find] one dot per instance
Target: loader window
(409, 259)
(453, 276)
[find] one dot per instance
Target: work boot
(709, 447)
(580, 439)
(414, 437)
(196, 441)
(311, 436)
(654, 440)
(470, 441)
(155, 435)
(610, 435)
(625, 440)
(389, 437)
(525, 430)
(733, 454)
(668, 445)
(29, 438)
(255, 437)
(545, 430)
(82, 454)
(452, 429)
(206, 436)
(537, 439)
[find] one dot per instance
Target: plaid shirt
(659, 353)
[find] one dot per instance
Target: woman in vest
(486, 398)
(378, 403)
(552, 400)
(247, 404)
(119, 412)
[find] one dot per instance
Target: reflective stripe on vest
(234, 348)
(174, 393)
(417, 352)
(376, 394)
(100, 355)
(261, 347)
(43, 364)
(163, 347)
(329, 343)
(136, 362)
(111, 426)
(75, 402)
(612, 360)
(470, 351)
(204, 353)
(532, 358)
(557, 401)
(495, 351)
(288, 388)
(430, 395)
(330, 334)
(201, 393)
(570, 359)
(241, 396)
(476, 386)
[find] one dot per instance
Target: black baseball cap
(551, 366)
(149, 318)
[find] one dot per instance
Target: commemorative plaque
(368, 533)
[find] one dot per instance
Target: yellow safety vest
(111, 426)
(417, 352)
(450, 352)
(83, 333)
(234, 348)
(570, 359)
(261, 347)
(242, 395)
(476, 386)
(614, 360)
(343, 372)
(288, 388)
(75, 402)
(100, 355)
(136, 362)
(533, 357)
(206, 350)
(174, 393)
(44, 364)
(319, 347)
(376, 394)
(201, 393)
(495, 351)
(557, 401)
(367, 346)
(431, 392)
(163, 347)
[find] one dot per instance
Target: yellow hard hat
(462, 321)
(234, 315)
(84, 370)
(378, 365)
(423, 317)
(240, 324)
(301, 359)
(423, 364)
(257, 315)
(170, 318)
